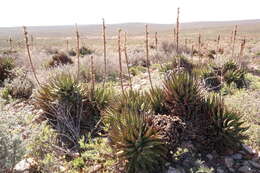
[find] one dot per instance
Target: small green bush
(85, 51)
(7, 64)
(138, 146)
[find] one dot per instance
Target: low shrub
(183, 94)
(71, 107)
(85, 51)
(225, 130)
(60, 59)
(72, 52)
(7, 64)
(138, 146)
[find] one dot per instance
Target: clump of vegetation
(71, 107)
(6, 66)
(183, 94)
(136, 70)
(72, 52)
(225, 128)
(138, 145)
(85, 51)
(60, 59)
(20, 87)
(171, 129)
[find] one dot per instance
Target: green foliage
(134, 101)
(182, 94)
(71, 52)
(60, 59)
(157, 101)
(95, 152)
(85, 51)
(20, 87)
(136, 70)
(226, 129)
(12, 145)
(137, 145)
(69, 106)
(7, 64)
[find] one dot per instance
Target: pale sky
(69, 12)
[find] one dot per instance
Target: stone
(245, 169)
(231, 169)
(248, 149)
(173, 170)
(246, 163)
(237, 156)
(229, 162)
(219, 170)
(209, 156)
(254, 164)
(24, 165)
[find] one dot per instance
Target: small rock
(24, 165)
(237, 156)
(209, 156)
(245, 169)
(254, 164)
(248, 149)
(173, 170)
(246, 163)
(231, 169)
(219, 170)
(229, 162)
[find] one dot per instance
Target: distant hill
(131, 28)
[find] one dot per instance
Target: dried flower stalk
(234, 41)
(178, 30)
(127, 62)
(78, 52)
(29, 54)
(156, 41)
(105, 50)
(120, 60)
(147, 54)
(242, 47)
(92, 75)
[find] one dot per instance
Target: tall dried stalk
(105, 50)
(29, 54)
(147, 54)
(199, 49)
(218, 42)
(242, 47)
(32, 43)
(234, 41)
(156, 41)
(67, 45)
(174, 35)
(127, 62)
(10, 43)
(92, 75)
(231, 37)
(186, 42)
(78, 52)
(178, 30)
(192, 49)
(120, 60)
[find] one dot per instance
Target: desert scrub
(71, 107)
(183, 95)
(95, 153)
(20, 87)
(136, 70)
(7, 64)
(138, 146)
(12, 143)
(71, 52)
(59, 59)
(85, 51)
(226, 129)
